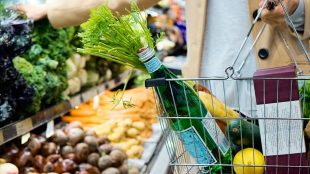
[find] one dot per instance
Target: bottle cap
(145, 54)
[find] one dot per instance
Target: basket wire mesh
(288, 129)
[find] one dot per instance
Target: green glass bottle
(202, 138)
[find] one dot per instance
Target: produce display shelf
(24, 126)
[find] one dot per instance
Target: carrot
(85, 120)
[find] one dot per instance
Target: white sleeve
(298, 17)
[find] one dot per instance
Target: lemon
(250, 158)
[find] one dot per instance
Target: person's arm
(299, 11)
(64, 13)
(276, 16)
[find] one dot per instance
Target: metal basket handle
(269, 5)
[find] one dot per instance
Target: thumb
(261, 2)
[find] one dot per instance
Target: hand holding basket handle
(264, 52)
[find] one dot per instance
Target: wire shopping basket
(236, 121)
(238, 125)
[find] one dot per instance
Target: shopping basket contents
(203, 133)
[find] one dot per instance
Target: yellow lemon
(250, 158)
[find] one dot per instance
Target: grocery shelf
(24, 126)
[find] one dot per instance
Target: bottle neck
(150, 60)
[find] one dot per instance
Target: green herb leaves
(115, 37)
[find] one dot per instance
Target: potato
(10, 153)
(91, 132)
(74, 124)
(88, 168)
(34, 145)
(60, 137)
(123, 145)
(68, 165)
(132, 132)
(132, 141)
(23, 158)
(92, 143)
(131, 153)
(93, 159)
(118, 157)
(102, 140)
(123, 169)
(81, 151)
(138, 125)
(111, 170)
(125, 123)
(120, 130)
(27, 170)
(71, 156)
(48, 167)
(115, 137)
(75, 135)
(38, 161)
(137, 150)
(48, 149)
(105, 148)
(8, 168)
(105, 162)
(66, 150)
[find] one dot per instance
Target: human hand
(276, 16)
(35, 12)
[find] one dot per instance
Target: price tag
(89, 94)
(96, 102)
(100, 89)
(1, 137)
(24, 126)
(75, 101)
(50, 129)
(111, 84)
(25, 138)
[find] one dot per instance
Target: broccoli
(50, 50)
(34, 76)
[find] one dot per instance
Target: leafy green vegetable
(50, 50)
(35, 76)
(304, 97)
(116, 38)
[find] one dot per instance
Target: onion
(8, 168)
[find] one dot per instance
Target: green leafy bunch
(114, 37)
(50, 50)
(304, 97)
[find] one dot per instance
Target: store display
(126, 128)
(40, 73)
(15, 93)
(75, 75)
(71, 150)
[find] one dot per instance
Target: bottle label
(153, 64)
(216, 134)
(195, 146)
(280, 135)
